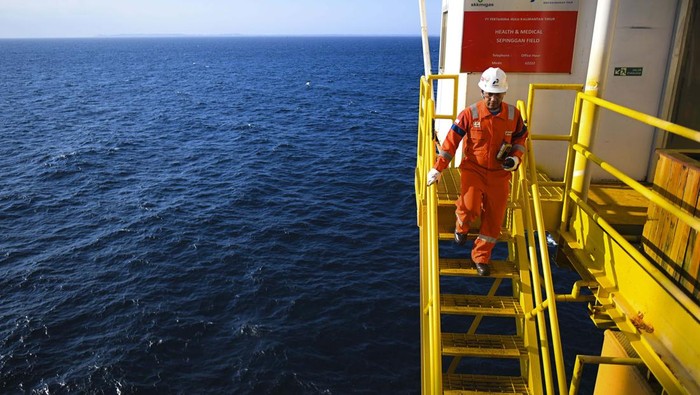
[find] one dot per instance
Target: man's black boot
(460, 238)
(484, 269)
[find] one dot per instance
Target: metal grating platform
(486, 346)
(495, 306)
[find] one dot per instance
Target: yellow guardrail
(532, 206)
(674, 374)
(534, 268)
(653, 197)
(426, 203)
(569, 138)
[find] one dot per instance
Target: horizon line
(227, 35)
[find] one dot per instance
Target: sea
(212, 215)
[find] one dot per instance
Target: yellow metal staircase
(456, 312)
(500, 334)
(466, 349)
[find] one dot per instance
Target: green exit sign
(628, 71)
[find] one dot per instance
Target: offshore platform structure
(610, 184)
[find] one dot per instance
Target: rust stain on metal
(639, 323)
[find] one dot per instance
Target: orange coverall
(485, 185)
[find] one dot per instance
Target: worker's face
(493, 100)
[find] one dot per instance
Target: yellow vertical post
(603, 28)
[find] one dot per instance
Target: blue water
(209, 215)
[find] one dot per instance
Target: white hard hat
(494, 80)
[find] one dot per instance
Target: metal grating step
(469, 384)
(482, 346)
(448, 187)
(465, 267)
(496, 306)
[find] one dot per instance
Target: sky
(95, 18)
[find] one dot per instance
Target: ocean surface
(211, 215)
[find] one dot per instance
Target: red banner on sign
(519, 41)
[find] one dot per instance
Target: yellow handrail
(426, 202)
(642, 117)
(536, 286)
(655, 197)
(550, 302)
(570, 137)
(658, 365)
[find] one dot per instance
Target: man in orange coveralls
(493, 135)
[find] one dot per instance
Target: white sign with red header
(529, 36)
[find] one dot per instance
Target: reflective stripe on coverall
(484, 184)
